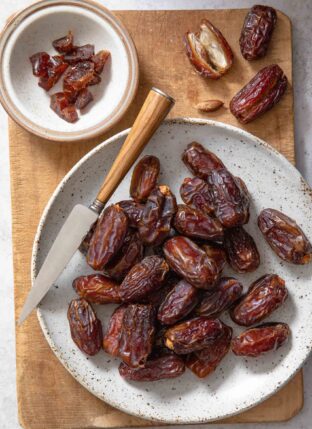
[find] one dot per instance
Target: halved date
(216, 253)
(285, 237)
(264, 296)
(85, 327)
(241, 250)
(261, 339)
(200, 161)
(195, 193)
(133, 210)
(98, 289)
(144, 178)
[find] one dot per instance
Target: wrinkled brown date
(195, 193)
(241, 250)
(180, 301)
(208, 51)
(108, 237)
(196, 224)
(158, 212)
(85, 327)
(158, 296)
(133, 210)
(217, 254)
(257, 32)
(145, 277)
(192, 335)
(113, 334)
(84, 246)
(259, 340)
(98, 289)
(227, 291)
(131, 253)
(264, 296)
(204, 362)
(260, 94)
(201, 161)
(285, 237)
(230, 199)
(169, 366)
(191, 262)
(144, 178)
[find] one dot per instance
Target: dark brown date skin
(264, 296)
(285, 237)
(133, 210)
(180, 301)
(230, 199)
(194, 223)
(108, 237)
(264, 90)
(241, 250)
(85, 244)
(259, 340)
(131, 253)
(204, 362)
(257, 32)
(158, 212)
(144, 177)
(217, 254)
(191, 262)
(195, 193)
(145, 277)
(192, 335)
(158, 296)
(113, 334)
(227, 291)
(85, 327)
(170, 366)
(201, 161)
(98, 289)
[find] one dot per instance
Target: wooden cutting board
(48, 396)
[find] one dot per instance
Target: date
(264, 90)
(200, 161)
(98, 289)
(227, 291)
(195, 193)
(112, 336)
(285, 237)
(191, 262)
(241, 250)
(262, 339)
(64, 44)
(264, 296)
(257, 32)
(156, 297)
(133, 210)
(217, 254)
(85, 327)
(108, 237)
(144, 178)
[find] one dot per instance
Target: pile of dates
(162, 263)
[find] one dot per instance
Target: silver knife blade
(66, 243)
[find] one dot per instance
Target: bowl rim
(12, 110)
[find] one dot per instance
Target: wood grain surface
(48, 396)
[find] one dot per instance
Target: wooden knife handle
(154, 110)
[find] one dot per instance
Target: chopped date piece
(259, 340)
(227, 291)
(96, 79)
(145, 277)
(85, 327)
(179, 302)
(78, 76)
(201, 161)
(84, 246)
(55, 69)
(108, 237)
(285, 237)
(208, 51)
(191, 262)
(217, 254)
(80, 54)
(195, 193)
(196, 224)
(98, 289)
(194, 334)
(257, 32)
(230, 199)
(64, 44)
(264, 296)
(112, 336)
(40, 63)
(144, 177)
(205, 361)
(157, 216)
(133, 210)
(99, 60)
(83, 99)
(260, 94)
(241, 250)
(61, 106)
(169, 366)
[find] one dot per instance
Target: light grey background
(300, 12)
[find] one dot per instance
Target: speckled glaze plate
(237, 384)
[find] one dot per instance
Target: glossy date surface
(216, 253)
(144, 177)
(133, 210)
(241, 250)
(200, 161)
(113, 333)
(98, 289)
(195, 193)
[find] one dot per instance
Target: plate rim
(92, 152)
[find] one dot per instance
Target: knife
(155, 108)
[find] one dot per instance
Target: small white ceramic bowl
(33, 30)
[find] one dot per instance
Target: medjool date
(241, 250)
(144, 178)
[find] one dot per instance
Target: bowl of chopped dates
(69, 69)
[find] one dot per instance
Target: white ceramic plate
(238, 383)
